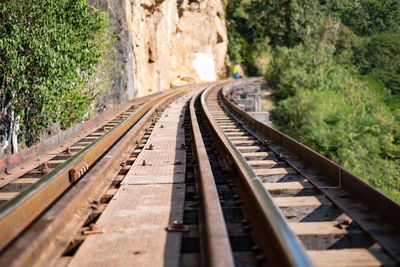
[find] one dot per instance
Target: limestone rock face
(165, 43)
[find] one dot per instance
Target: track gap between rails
(245, 252)
(191, 244)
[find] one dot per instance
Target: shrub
(50, 51)
(328, 109)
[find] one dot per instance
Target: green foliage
(346, 119)
(372, 31)
(380, 56)
(334, 66)
(50, 50)
(366, 17)
(244, 45)
(224, 5)
(282, 20)
(346, 45)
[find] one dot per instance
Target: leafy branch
(50, 53)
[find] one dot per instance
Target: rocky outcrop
(164, 43)
(158, 44)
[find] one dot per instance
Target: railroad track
(98, 153)
(242, 194)
(339, 220)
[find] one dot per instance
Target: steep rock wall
(159, 44)
(164, 43)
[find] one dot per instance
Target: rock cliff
(164, 43)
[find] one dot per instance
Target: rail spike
(78, 171)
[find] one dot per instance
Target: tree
(281, 20)
(366, 17)
(380, 56)
(49, 52)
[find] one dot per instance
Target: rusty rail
(19, 212)
(268, 222)
(219, 252)
(70, 211)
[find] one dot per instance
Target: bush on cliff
(50, 52)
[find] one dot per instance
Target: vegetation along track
(253, 196)
(93, 156)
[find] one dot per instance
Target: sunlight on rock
(204, 67)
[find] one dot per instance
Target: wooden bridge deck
(150, 198)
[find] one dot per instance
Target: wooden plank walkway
(150, 198)
(165, 163)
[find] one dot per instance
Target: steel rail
(219, 251)
(286, 248)
(19, 212)
(377, 203)
(50, 233)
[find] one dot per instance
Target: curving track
(340, 220)
(252, 196)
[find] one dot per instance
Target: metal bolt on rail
(279, 158)
(45, 168)
(177, 226)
